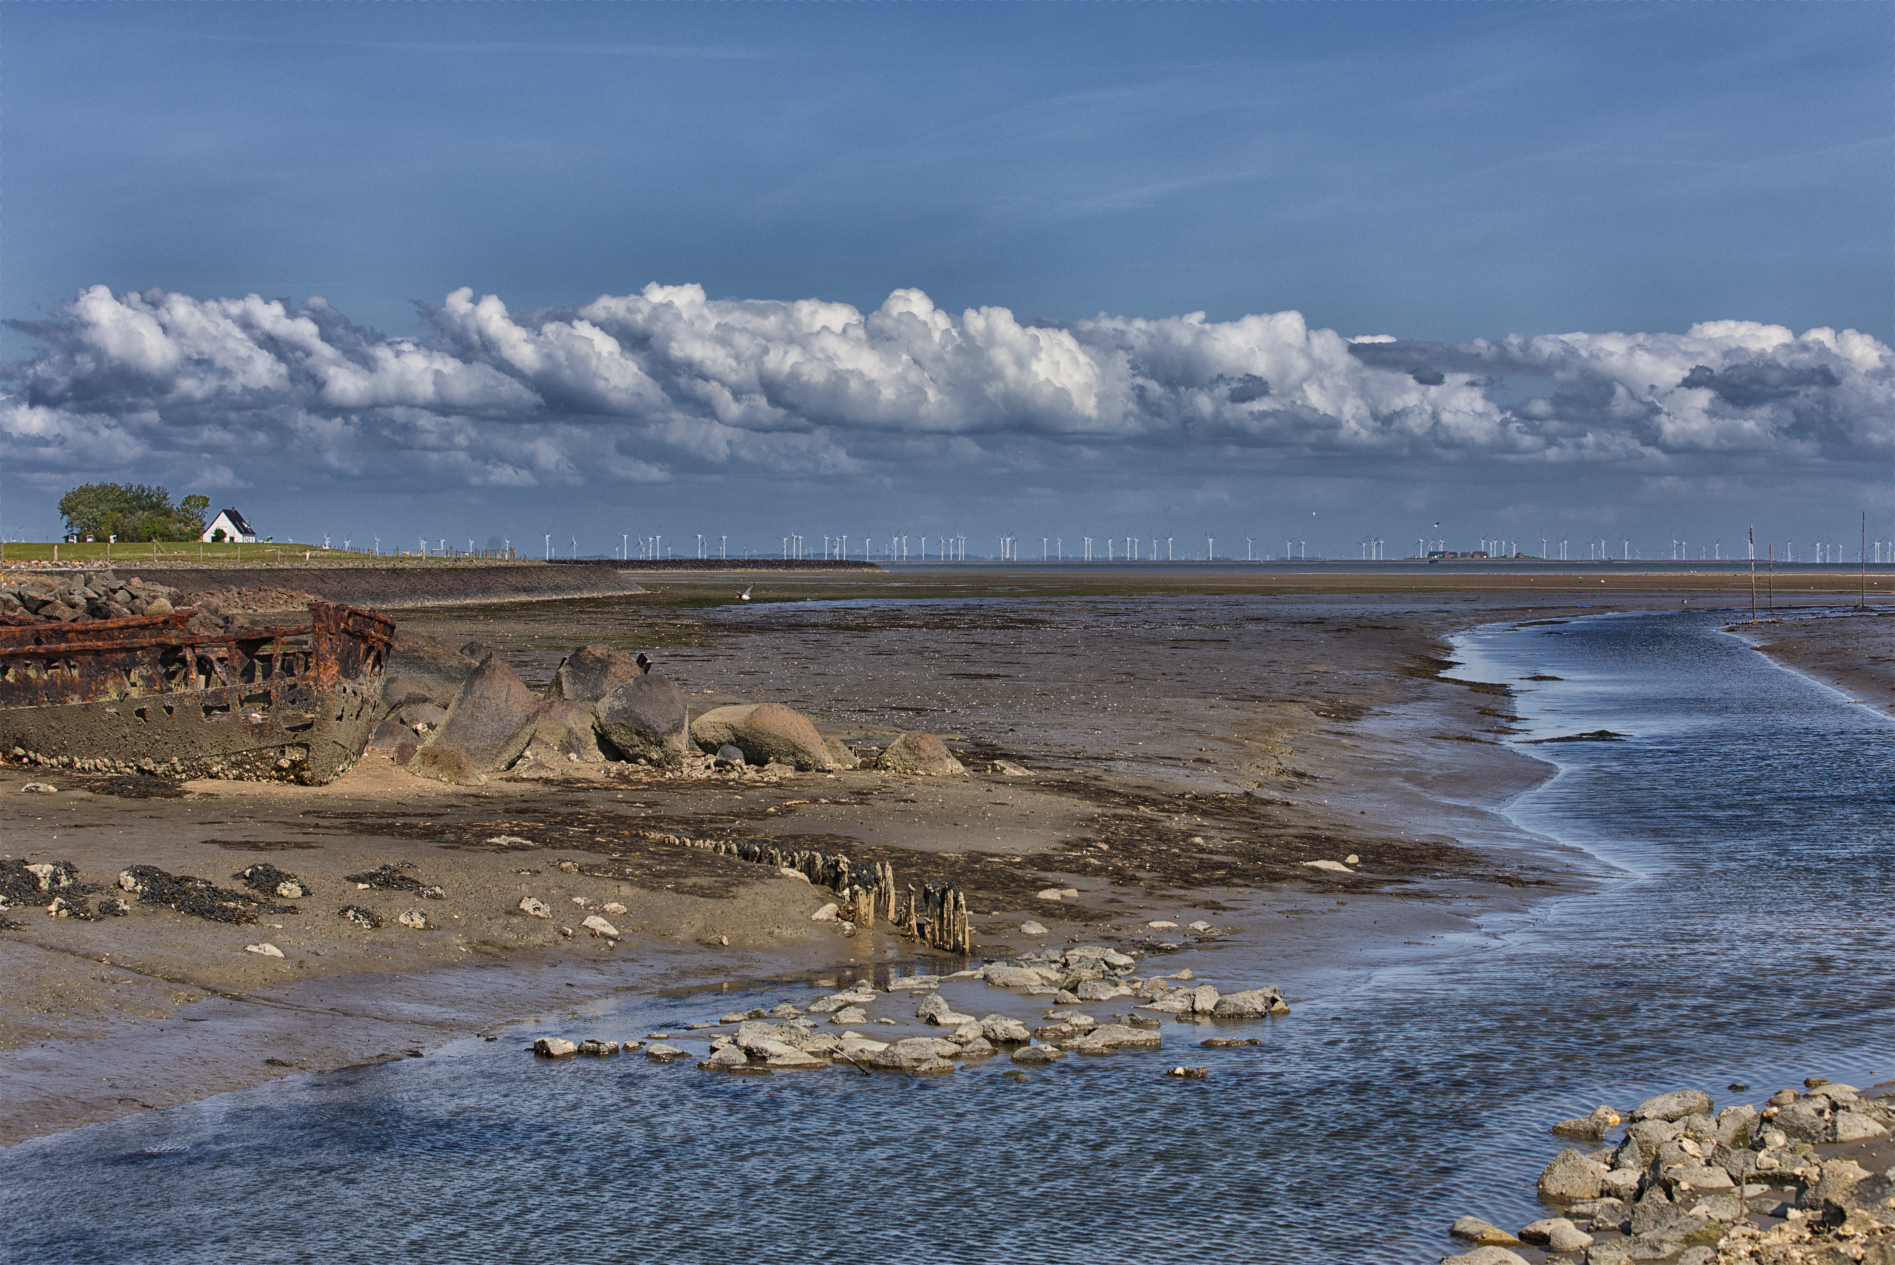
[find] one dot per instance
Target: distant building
(1437, 554)
(231, 524)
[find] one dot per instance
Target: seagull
(745, 595)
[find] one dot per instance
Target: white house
(231, 524)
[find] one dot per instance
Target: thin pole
(1772, 574)
(1862, 600)
(1753, 575)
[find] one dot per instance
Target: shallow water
(1748, 809)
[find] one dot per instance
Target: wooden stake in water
(1753, 575)
(1862, 598)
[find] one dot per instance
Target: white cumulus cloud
(645, 387)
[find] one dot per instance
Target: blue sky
(1438, 173)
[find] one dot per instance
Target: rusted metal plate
(47, 664)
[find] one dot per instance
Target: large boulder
(1674, 1106)
(764, 732)
(589, 673)
(920, 755)
(443, 764)
(1250, 1004)
(568, 728)
(492, 718)
(392, 733)
(644, 719)
(1572, 1175)
(428, 665)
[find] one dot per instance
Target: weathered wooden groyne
(936, 915)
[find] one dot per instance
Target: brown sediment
(1186, 753)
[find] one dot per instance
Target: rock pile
(823, 1034)
(1743, 1184)
(71, 597)
(460, 715)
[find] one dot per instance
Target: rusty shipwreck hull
(148, 695)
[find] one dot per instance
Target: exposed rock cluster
(789, 1038)
(459, 715)
(1745, 1184)
(75, 596)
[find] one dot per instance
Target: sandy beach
(1188, 752)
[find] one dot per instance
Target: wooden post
(1753, 575)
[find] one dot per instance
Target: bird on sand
(745, 595)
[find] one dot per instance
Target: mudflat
(1189, 747)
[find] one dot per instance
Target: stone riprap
(1685, 1182)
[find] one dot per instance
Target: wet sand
(1189, 749)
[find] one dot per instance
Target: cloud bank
(668, 383)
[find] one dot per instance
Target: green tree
(132, 511)
(191, 511)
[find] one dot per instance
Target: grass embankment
(285, 553)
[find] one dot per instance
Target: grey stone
(1803, 1121)
(1621, 1183)
(1101, 990)
(1572, 1175)
(445, 764)
(1250, 1004)
(554, 1048)
(1698, 1177)
(1853, 1126)
(1031, 928)
(1036, 1054)
(492, 718)
(840, 757)
(1004, 1030)
(430, 666)
(421, 716)
(1558, 1234)
(1011, 976)
(397, 690)
(850, 1014)
(920, 755)
(1113, 1036)
(590, 673)
(1485, 1256)
(764, 732)
(569, 729)
(725, 1057)
(659, 1052)
(935, 1010)
(1867, 1202)
(644, 719)
(392, 733)
(730, 754)
(1652, 1214)
(1673, 1106)
(1591, 1127)
(1482, 1233)
(1724, 1206)
(911, 1054)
